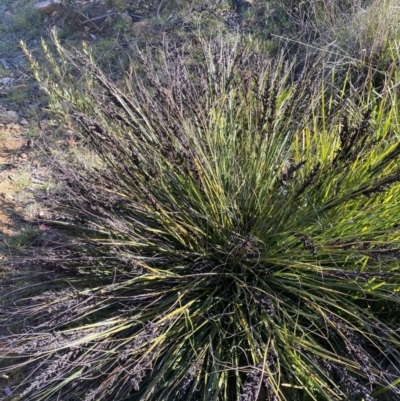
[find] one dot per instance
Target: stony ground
(11, 144)
(20, 115)
(25, 124)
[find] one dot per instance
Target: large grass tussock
(237, 238)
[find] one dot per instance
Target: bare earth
(11, 143)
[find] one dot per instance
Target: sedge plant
(238, 239)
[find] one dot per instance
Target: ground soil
(13, 153)
(11, 148)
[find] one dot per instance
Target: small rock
(6, 81)
(24, 156)
(140, 27)
(9, 117)
(13, 115)
(23, 121)
(86, 29)
(47, 7)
